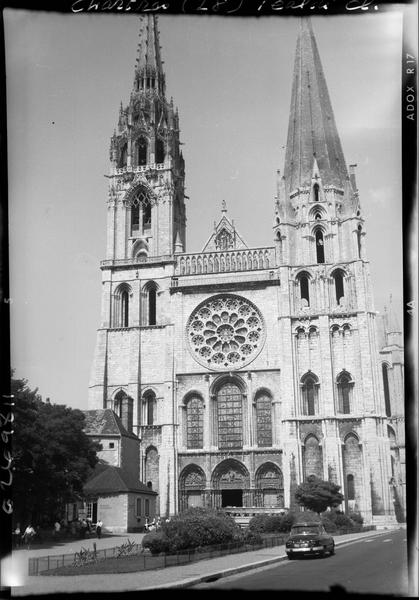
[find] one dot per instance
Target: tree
(52, 456)
(317, 495)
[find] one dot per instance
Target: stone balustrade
(249, 259)
(138, 261)
(141, 168)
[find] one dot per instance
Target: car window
(302, 529)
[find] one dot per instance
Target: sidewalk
(171, 577)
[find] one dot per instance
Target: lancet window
(195, 423)
(344, 386)
(263, 420)
(309, 392)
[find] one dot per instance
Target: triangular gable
(225, 236)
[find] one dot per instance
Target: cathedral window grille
(195, 423)
(316, 192)
(135, 218)
(149, 408)
(387, 401)
(226, 331)
(304, 288)
(152, 306)
(124, 409)
(159, 151)
(124, 308)
(141, 152)
(350, 487)
(123, 157)
(141, 208)
(149, 304)
(358, 236)
(339, 286)
(319, 246)
(264, 420)
(121, 307)
(230, 417)
(146, 215)
(344, 385)
(309, 391)
(312, 457)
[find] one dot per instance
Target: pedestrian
(99, 525)
(57, 528)
(83, 528)
(28, 535)
(16, 536)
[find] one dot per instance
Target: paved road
(370, 566)
(171, 577)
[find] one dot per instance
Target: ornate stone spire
(148, 69)
(312, 131)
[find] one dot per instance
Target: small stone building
(119, 499)
(114, 492)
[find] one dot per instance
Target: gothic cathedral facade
(244, 370)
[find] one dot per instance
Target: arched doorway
(269, 486)
(192, 483)
(230, 484)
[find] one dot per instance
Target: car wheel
(332, 550)
(290, 557)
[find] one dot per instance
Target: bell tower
(318, 215)
(327, 302)
(146, 211)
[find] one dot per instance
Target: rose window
(225, 331)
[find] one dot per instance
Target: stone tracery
(225, 331)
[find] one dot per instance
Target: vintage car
(309, 539)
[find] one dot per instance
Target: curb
(209, 577)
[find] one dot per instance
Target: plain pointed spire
(312, 131)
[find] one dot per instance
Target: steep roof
(107, 479)
(102, 422)
(312, 131)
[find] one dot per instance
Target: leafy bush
(195, 527)
(156, 542)
(307, 515)
(357, 518)
(329, 525)
(342, 521)
(337, 520)
(252, 537)
(264, 523)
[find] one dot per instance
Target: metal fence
(43, 564)
(144, 561)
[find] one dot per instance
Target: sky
(231, 81)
